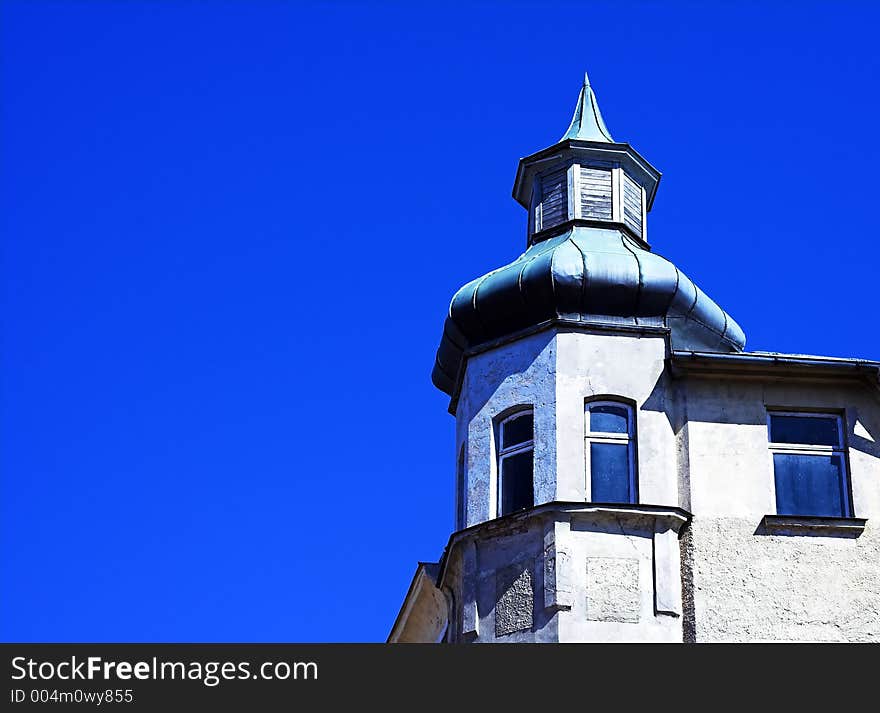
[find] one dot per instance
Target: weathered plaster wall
(554, 372)
(613, 586)
(425, 611)
(702, 445)
(522, 373)
(514, 598)
(509, 579)
(749, 586)
(563, 575)
(631, 367)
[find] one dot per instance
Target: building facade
(625, 470)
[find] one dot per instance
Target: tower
(600, 399)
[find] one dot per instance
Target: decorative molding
(470, 620)
(667, 575)
(558, 585)
(546, 233)
(811, 525)
(757, 365)
(659, 517)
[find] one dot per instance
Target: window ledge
(811, 525)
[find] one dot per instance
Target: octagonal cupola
(586, 178)
(587, 262)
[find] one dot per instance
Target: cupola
(586, 178)
(587, 261)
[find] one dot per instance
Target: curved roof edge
(588, 276)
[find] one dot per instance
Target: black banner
(269, 677)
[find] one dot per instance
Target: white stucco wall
(522, 373)
(613, 579)
(749, 586)
(555, 372)
(702, 446)
(617, 365)
(568, 574)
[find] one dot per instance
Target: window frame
(629, 438)
(503, 453)
(817, 450)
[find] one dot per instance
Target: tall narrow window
(809, 464)
(610, 452)
(516, 446)
(461, 492)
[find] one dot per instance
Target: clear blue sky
(231, 231)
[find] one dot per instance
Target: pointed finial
(587, 123)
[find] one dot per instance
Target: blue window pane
(517, 430)
(804, 429)
(516, 482)
(809, 485)
(609, 476)
(609, 419)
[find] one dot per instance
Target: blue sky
(231, 231)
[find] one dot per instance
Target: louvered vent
(632, 205)
(596, 193)
(554, 199)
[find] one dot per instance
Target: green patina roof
(584, 274)
(587, 123)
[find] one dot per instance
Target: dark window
(809, 430)
(609, 418)
(516, 462)
(809, 464)
(517, 430)
(609, 467)
(610, 452)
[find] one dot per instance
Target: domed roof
(588, 263)
(587, 275)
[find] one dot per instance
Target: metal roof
(774, 364)
(587, 123)
(591, 276)
(582, 275)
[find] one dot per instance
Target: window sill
(811, 526)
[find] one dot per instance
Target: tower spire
(587, 123)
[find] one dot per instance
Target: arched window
(611, 452)
(516, 446)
